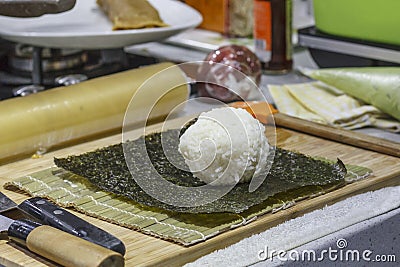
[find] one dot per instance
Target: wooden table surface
(144, 250)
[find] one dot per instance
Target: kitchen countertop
(144, 250)
(374, 225)
(375, 230)
(363, 223)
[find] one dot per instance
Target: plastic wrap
(40, 121)
(230, 73)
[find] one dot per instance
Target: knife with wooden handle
(361, 140)
(53, 215)
(48, 213)
(56, 245)
(263, 111)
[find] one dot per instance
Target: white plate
(87, 27)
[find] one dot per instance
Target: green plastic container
(372, 20)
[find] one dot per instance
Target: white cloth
(304, 229)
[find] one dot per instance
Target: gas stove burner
(22, 57)
(27, 90)
(26, 65)
(28, 69)
(71, 79)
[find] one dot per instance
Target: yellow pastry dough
(131, 14)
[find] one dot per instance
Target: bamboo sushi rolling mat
(148, 250)
(69, 190)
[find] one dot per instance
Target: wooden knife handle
(262, 111)
(69, 250)
(53, 215)
(338, 135)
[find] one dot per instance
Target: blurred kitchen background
(26, 69)
(312, 48)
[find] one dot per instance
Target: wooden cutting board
(144, 250)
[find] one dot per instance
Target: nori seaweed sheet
(107, 169)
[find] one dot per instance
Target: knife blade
(53, 215)
(44, 240)
(30, 8)
(6, 203)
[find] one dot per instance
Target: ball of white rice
(225, 146)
